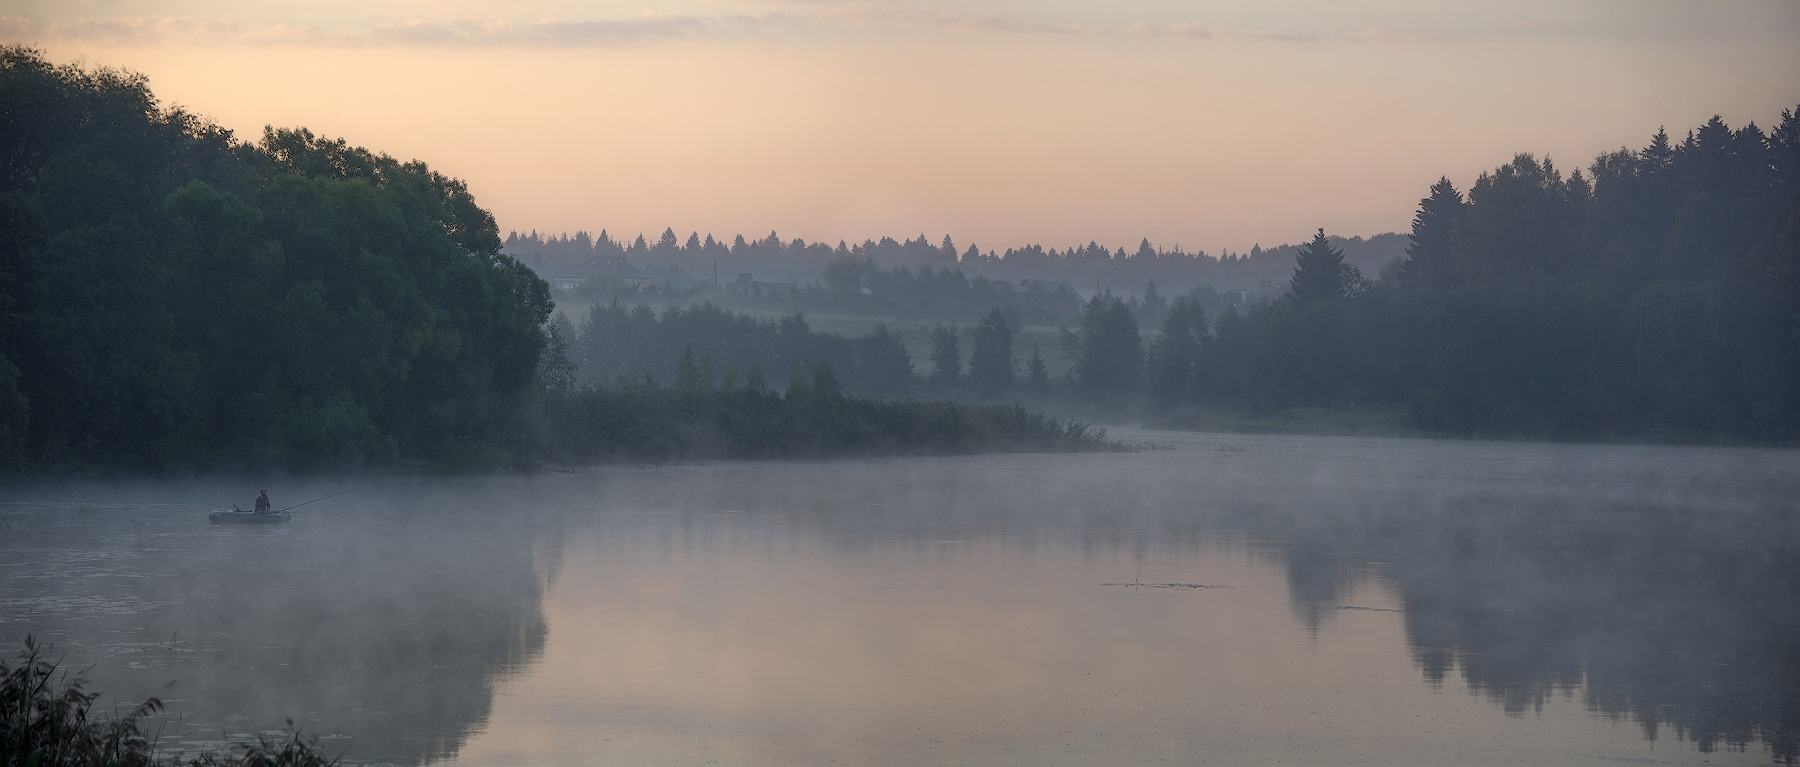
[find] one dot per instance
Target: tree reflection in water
(376, 617)
(1680, 615)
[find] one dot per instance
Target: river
(1220, 599)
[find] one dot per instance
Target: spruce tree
(1036, 372)
(1108, 353)
(687, 372)
(1318, 272)
(991, 361)
(946, 359)
(1430, 262)
(1182, 352)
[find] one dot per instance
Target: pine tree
(687, 372)
(1145, 250)
(946, 359)
(991, 361)
(1107, 351)
(1036, 372)
(1318, 272)
(1430, 262)
(1182, 353)
(1657, 156)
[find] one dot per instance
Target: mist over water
(1228, 599)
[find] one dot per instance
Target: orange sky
(1212, 125)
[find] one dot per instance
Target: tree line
(805, 262)
(1657, 293)
(172, 297)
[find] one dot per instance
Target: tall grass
(47, 719)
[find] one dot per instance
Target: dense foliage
(1658, 293)
(915, 277)
(173, 298)
(706, 416)
(613, 341)
(47, 719)
(168, 293)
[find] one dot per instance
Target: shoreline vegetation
(176, 300)
(48, 719)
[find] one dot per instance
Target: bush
(47, 720)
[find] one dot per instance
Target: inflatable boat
(236, 516)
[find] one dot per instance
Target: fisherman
(262, 502)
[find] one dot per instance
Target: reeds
(47, 719)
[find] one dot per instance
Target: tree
(1037, 373)
(1181, 358)
(1108, 354)
(1151, 298)
(881, 364)
(1234, 353)
(1430, 262)
(1318, 272)
(991, 361)
(362, 303)
(946, 359)
(687, 373)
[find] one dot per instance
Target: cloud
(986, 22)
(1384, 37)
(608, 33)
(465, 33)
(543, 34)
(1198, 31)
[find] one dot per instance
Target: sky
(1212, 125)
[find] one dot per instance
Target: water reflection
(370, 623)
(1381, 602)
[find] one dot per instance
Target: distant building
(570, 276)
(1060, 297)
(669, 277)
(749, 284)
(1271, 295)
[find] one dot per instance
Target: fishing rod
(316, 500)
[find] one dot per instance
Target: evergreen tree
(687, 373)
(1318, 272)
(1181, 356)
(1109, 355)
(1430, 262)
(946, 359)
(881, 363)
(1234, 350)
(991, 361)
(1151, 298)
(1036, 372)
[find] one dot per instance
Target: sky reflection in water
(1378, 602)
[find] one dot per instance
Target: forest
(1090, 266)
(173, 298)
(1652, 295)
(1656, 295)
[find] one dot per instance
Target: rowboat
(236, 516)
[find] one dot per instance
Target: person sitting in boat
(262, 502)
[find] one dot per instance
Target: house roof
(670, 276)
(597, 265)
(1049, 287)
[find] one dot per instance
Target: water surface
(1223, 600)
